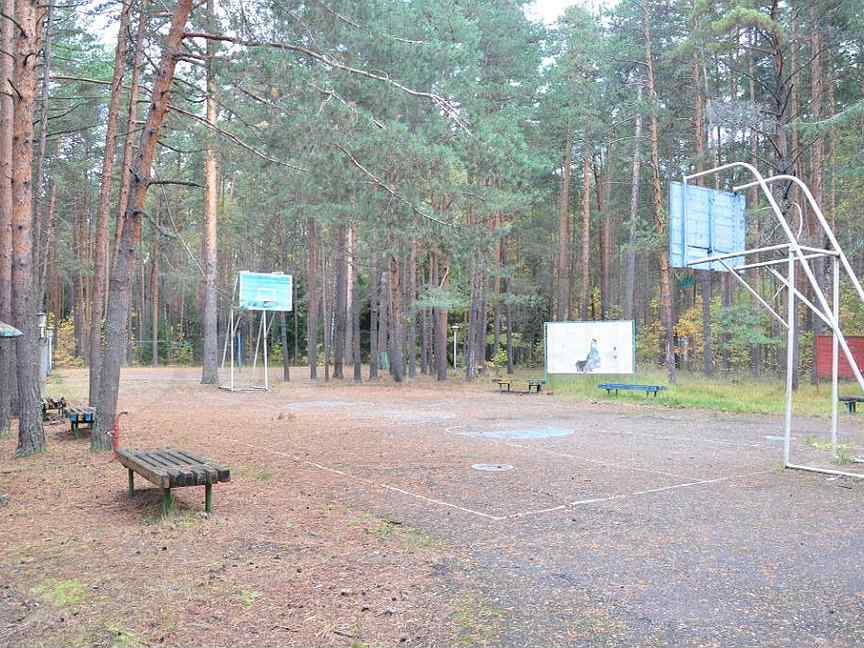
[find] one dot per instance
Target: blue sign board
(705, 222)
(265, 291)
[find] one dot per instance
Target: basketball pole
(790, 361)
(829, 314)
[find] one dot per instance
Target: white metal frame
(229, 352)
(829, 313)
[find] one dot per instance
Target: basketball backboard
(705, 222)
(265, 291)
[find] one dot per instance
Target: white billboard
(591, 347)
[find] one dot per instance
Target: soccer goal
(256, 299)
(707, 230)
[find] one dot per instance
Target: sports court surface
(424, 515)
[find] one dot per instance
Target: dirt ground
(357, 516)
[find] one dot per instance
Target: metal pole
(455, 330)
(755, 294)
(231, 333)
(266, 365)
(790, 361)
(835, 359)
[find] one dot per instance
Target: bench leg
(75, 430)
(131, 483)
(208, 498)
(167, 502)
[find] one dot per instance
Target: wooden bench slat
(133, 462)
(223, 472)
(203, 473)
(175, 477)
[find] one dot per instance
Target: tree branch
(234, 138)
(443, 104)
(383, 185)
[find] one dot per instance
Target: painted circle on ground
(492, 467)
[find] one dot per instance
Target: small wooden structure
(79, 416)
(169, 468)
(502, 383)
(53, 405)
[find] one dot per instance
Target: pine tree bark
(630, 271)
(312, 298)
(659, 209)
(7, 115)
(209, 319)
(155, 300)
(563, 311)
(355, 307)
(817, 161)
(585, 256)
(120, 286)
(100, 270)
(397, 328)
(340, 314)
(374, 288)
(440, 315)
(31, 435)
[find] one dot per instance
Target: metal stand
(829, 314)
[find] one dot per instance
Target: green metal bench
(616, 387)
(851, 402)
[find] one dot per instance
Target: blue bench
(648, 389)
(79, 416)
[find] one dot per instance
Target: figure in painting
(592, 361)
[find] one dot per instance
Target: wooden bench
(648, 389)
(79, 416)
(536, 384)
(851, 402)
(55, 405)
(502, 383)
(168, 468)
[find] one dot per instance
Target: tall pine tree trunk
(209, 319)
(563, 311)
(341, 304)
(441, 279)
(355, 308)
(31, 436)
(7, 115)
(312, 298)
(374, 288)
(659, 207)
(630, 269)
(120, 286)
(397, 327)
(585, 256)
(100, 272)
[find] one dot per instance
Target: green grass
(408, 537)
(64, 593)
(735, 393)
(247, 598)
(477, 622)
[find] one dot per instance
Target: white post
(790, 361)
(266, 365)
(835, 359)
(231, 333)
(455, 331)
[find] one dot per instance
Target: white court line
(595, 500)
(511, 516)
(336, 471)
(610, 464)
